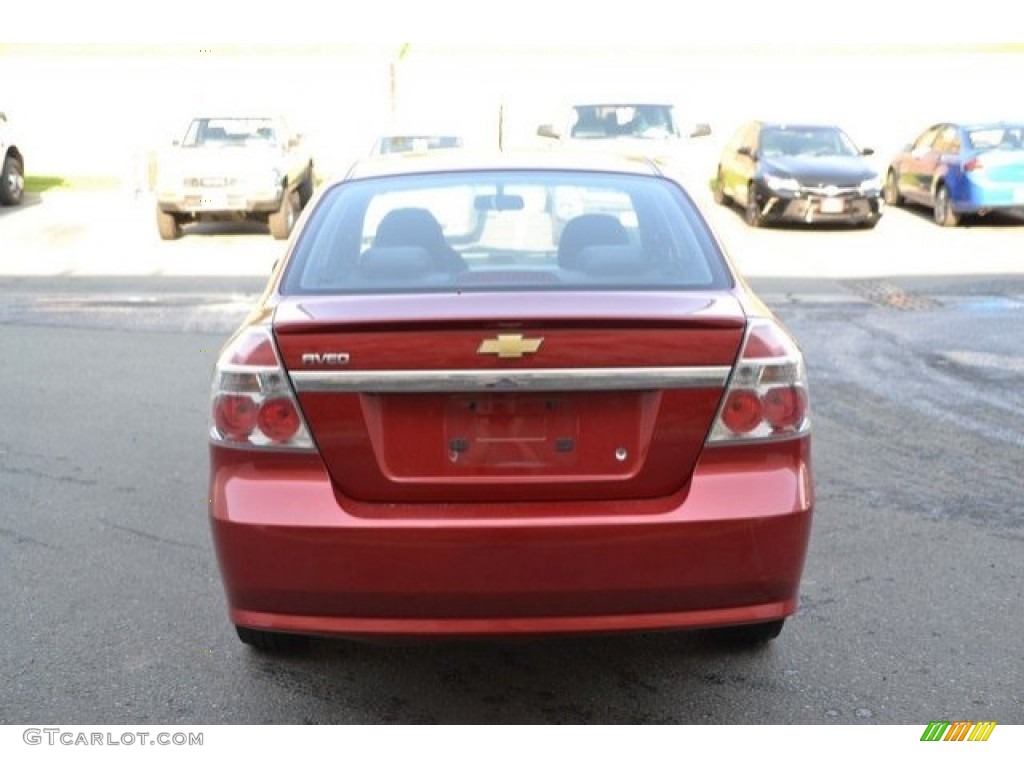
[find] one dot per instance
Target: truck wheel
(283, 219)
(306, 188)
(12, 182)
(168, 225)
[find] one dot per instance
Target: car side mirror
(747, 152)
(548, 131)
(867, 151)
(700, 129)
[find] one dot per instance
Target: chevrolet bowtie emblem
(509, 346)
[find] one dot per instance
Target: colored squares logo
(960, 730)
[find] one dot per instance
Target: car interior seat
(417, 227)
(589, 229)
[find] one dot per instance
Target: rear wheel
(282, 220)
(306, 188)
(891, 192)
(12, 182)
(168, 225)
(270, 642)
(749, 635)
(943, 212)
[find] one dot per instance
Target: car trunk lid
(480, 397)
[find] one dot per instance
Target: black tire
(283, 219)
(270, 642)
(943, 212)
(870, 223)
(749, 635)
(891, 191)
(306, 188)
(12, 182)
(752, 214)
(719, 190)
(168, 225)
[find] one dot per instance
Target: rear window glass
(997, 137)
(526, 230)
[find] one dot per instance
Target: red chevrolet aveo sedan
(508, 396)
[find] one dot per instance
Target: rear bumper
(986, 196)
(728, 550)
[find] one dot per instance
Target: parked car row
(815, 173)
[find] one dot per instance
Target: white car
(12, 176)
(414, 142)
(652, 129)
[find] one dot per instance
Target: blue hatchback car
(961, 168)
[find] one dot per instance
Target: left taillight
(252, 404)
(766, 398)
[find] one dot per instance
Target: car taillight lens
(252, 403)
(766, 398)
(974, 164)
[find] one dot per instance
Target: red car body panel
(587, 481)
(728, 549)
(514, 445)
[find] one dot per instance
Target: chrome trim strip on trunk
(519, 380)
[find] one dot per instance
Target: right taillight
(252, 403)
(766, 398)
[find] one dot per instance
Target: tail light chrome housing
(766, 397)
(252, 405)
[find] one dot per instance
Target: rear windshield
(997, 137)
(487, 231)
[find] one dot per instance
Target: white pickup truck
(234, 168)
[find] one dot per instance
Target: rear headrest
(418, 227)
(401, 263)
(586, 230)
(409, 226)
